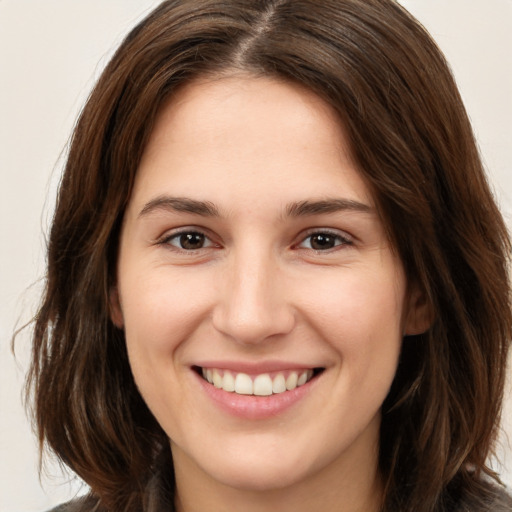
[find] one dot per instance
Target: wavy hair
(413, 143)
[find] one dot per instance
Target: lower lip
(255, 407)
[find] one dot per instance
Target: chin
(256, 464)
(259, 477)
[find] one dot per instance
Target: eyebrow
(180, 204)
(295, 209)
(306, 208)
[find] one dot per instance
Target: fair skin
(251, 245)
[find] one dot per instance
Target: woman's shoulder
(498, 500)
(502, 502)
(83, 504)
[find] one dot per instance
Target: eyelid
(344, 237)
(177, 232)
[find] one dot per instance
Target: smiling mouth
(264, 384)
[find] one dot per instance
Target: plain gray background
(51, 52)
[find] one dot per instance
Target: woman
(277, 277)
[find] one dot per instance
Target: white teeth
(262, 385)
(279, 384)
(302, 379)
(217, 379)
(228, 383)
(291, 381)
(243, 384)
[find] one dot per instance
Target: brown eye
(188, 241)
(191, 241)
(323, 241)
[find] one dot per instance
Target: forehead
(255, 137)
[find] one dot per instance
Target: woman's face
(262, 304)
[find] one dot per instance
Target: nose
(254, 305)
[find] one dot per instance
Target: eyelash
(167, 240)
(339, 240)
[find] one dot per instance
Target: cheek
(360, 315)
(161, 309)
(366, 301)
(161, 312)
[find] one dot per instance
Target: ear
(115, 311)
(419, 313)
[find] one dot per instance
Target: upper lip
(256, 367)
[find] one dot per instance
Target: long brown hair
(413, 143)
